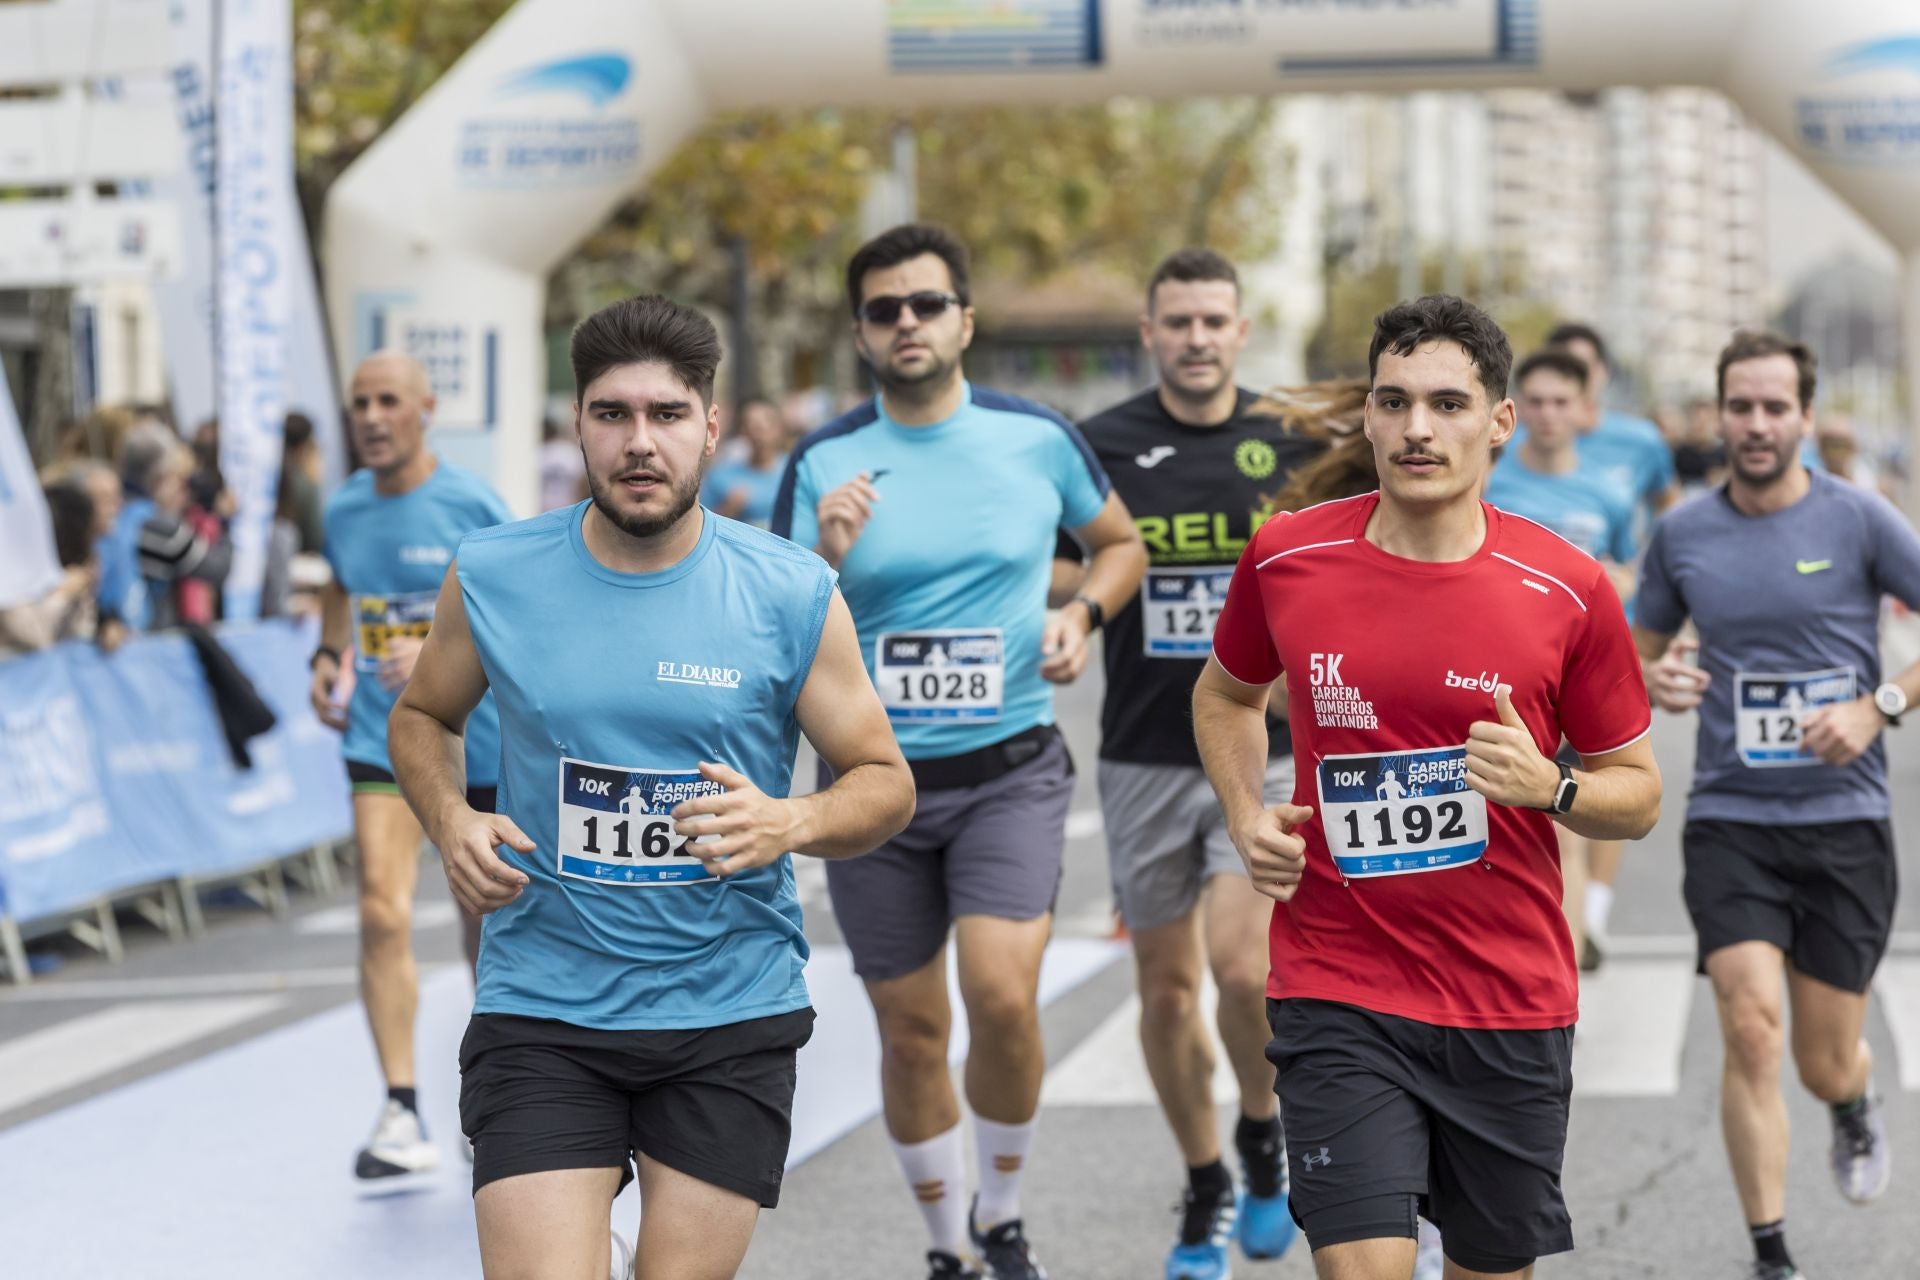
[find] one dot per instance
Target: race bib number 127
(1398, 813)
(1767, 711)
(1178, 609)
(616, 825)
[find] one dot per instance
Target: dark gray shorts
(990, 850)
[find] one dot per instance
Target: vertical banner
(29, 569)
(254, 255)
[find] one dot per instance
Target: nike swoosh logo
(1154, 456)
(1812, 566)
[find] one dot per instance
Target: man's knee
(1243, 981)
(1829, 1071)
(1168, 998)
(1001, 1006)
(1753, 1035)
(386, 921)
(913, 1039)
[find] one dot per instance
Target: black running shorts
(1823, 893)
(371, 779)
(1385, 1115)
(715, 1103)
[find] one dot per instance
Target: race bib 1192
(616, 826)
(1767, 710)
(1178, 608)
(940, 675)
(1402, 812)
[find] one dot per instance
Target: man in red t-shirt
(1435, 651)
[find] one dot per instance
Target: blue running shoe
(1266, 1227)
(1206, 1229)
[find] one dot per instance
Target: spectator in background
(1839, 453)
(1699, 454)
(744, 489)
(209, 506)
(563, 471)
(300, 503)
(155, 469)
(67, 612)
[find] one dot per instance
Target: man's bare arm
(1230, 728)
(872, 796)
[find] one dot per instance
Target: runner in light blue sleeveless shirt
(612, 687)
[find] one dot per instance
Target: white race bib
(1178, 608)
(1401, 812)
(941, 675)
(1767, 710)
(377, 620)
(615, 825)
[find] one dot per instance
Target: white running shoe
(1431, 1263)
(398, 1155)
(1862, 1164)
(622, 1268)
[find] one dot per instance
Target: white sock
(937, 1175)
(1003, 1158)
(1599, 905)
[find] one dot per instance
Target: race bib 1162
(940, 675)
(616, 825)
(1398, 813)
(1767, 710)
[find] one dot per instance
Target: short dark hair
(70, 508)
(1573, 331)
(1757, 344)
(296, 431)
(1555, 360)
(1189, 265)
(648, 329)
(901, 244)
(1441, 317)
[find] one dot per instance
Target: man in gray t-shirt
(1790, 872)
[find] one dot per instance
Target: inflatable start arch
(440, 238)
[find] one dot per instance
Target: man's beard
(684, 495)
(1782, 461)
(934, 374)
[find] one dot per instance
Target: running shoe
(1265, 1228)
(1431, 1262)
(622, 1265)
(1775, 1271)
(1206, 1230)
(1862, 1163)
(1593, 953)
(942, 1265)
(1005, 1251)
(398, 1154)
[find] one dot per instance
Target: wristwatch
(1096, 616)
(1564, 793)
(1891, 699)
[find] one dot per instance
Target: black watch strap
(1096, 616)
(1564, 793)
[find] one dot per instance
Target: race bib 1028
(616, 825)
(940, 675)
(1178, 608)
(1767, 710)
(1399, 813)
(379, 620)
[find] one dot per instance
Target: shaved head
(390, 403)
(400, 366)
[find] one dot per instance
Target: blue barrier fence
(114, 772)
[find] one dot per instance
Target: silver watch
(1891, 699)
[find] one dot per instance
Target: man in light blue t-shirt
(939, 502)
(1790, 867)
(390, 534)
(641, 994)
(744, 488)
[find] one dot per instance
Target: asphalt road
(1645, 1172)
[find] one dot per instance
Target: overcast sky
(1808, 225)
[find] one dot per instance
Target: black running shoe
(1775, 1271)
(942, 1265)
(1005, 1251)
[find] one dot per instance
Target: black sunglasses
(926, 304)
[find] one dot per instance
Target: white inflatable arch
(441, 237)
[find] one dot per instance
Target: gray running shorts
(1166, 836)
(990, 850)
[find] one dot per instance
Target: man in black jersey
(1197, 471)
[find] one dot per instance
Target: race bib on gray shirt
(1788, 610)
